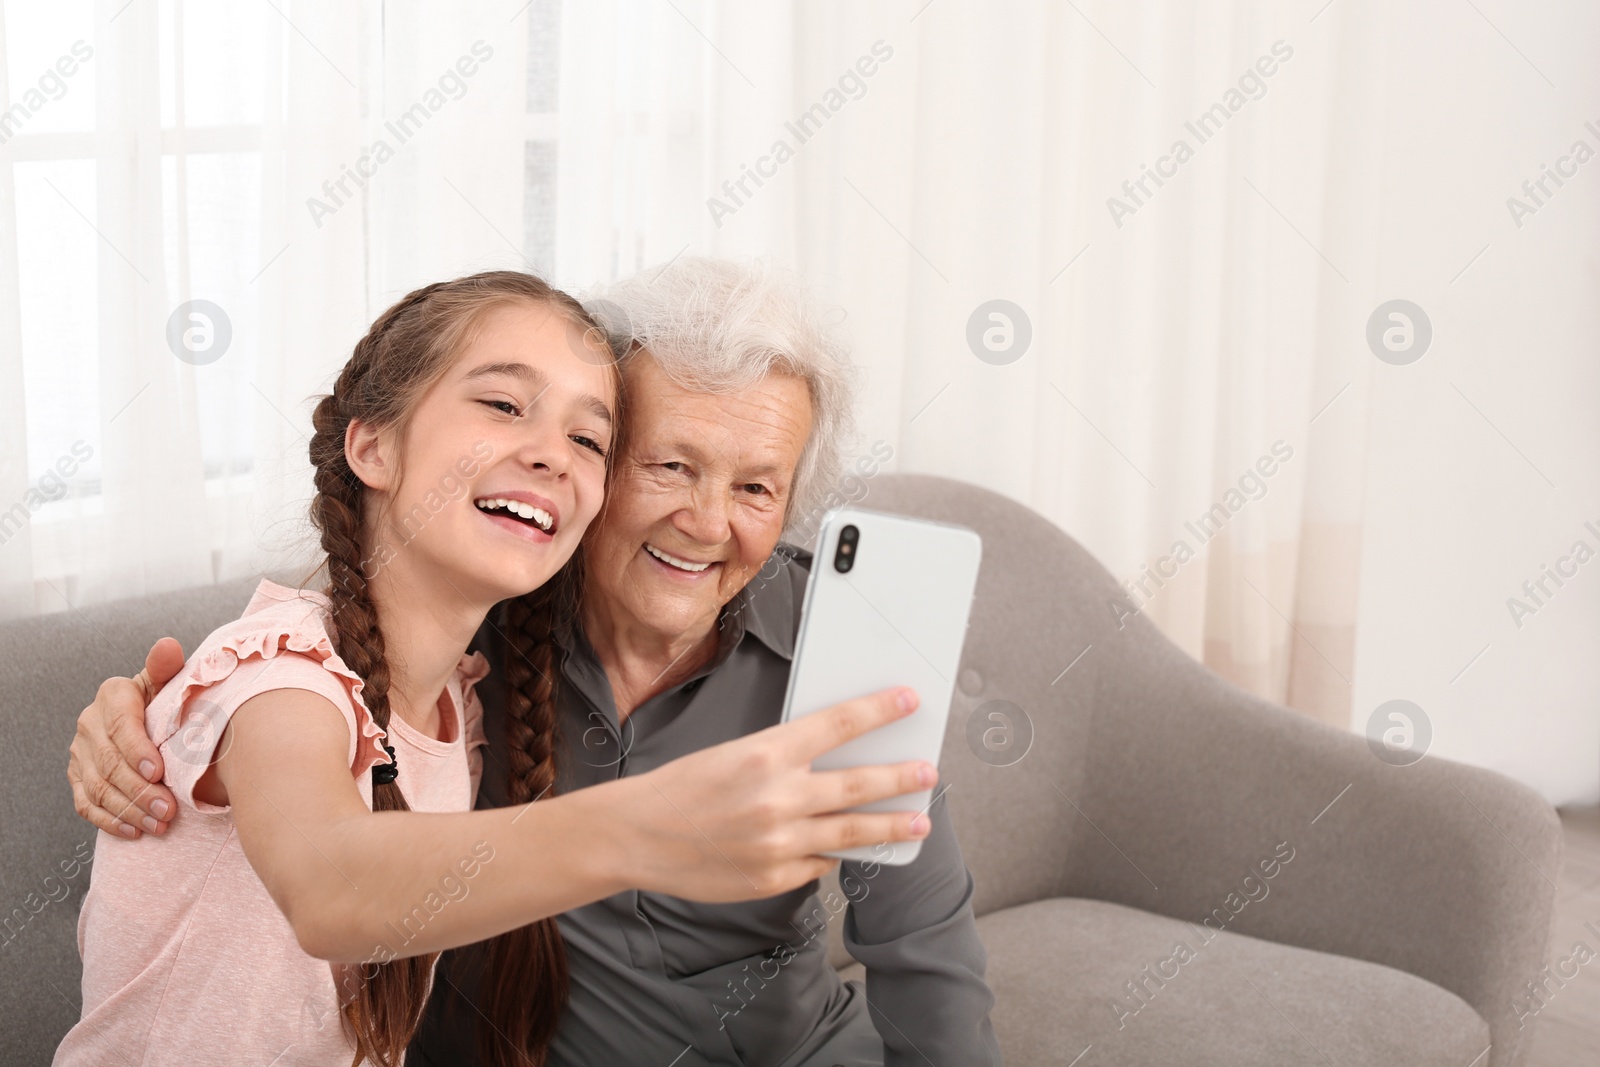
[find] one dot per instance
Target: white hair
(721, 326)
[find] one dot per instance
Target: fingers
(114, 766)
(102, 804)
(830, 791)
(100, 817)
(150, 804)
(129, 759)
(833, 833)
(161, 665)
(770, 881)
(805, 870)
(812, 735)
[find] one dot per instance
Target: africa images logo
(1252, 86)
(851, 85)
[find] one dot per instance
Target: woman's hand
(749, 818)
(114, 768)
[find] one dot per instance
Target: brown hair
(408, 349)
(525, 970)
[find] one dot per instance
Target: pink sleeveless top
(186, 959)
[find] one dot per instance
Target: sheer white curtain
(914, 161)
(1193, 399)
(965, 153)
(296, 166)
(1339, 156)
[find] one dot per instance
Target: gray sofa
(1173, 871)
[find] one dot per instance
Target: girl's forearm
(413, 882)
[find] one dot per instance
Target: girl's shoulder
(282, 641)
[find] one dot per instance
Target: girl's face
(503, 462)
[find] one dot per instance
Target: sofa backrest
(1015, 757)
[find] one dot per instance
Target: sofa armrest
(1144, 779)
(1438, 869)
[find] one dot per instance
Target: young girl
(327, 744)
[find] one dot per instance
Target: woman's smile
(678, 565)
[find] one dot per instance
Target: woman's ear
(371, 455)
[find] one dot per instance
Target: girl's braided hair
(409, 349)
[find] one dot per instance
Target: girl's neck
(427, 626)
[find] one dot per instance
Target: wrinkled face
(699, 498)
(503, 463)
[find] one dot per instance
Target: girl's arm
(740, 820)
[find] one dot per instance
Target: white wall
(1484, 462)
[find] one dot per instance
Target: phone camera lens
(844, 555)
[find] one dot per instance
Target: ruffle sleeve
(281, 642)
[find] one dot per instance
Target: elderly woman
(739, 409)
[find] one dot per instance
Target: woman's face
(699, 500)
(503, 462)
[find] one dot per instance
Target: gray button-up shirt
(657, 980)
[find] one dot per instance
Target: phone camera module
(844, 556)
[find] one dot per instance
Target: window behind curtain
(211, 123)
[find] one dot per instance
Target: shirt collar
(768, 608)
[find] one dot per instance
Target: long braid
(386, 1007)
(531, 665)
(407, 348)
(535, 952)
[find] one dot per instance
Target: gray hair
(720, 326)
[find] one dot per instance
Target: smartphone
(886, 605)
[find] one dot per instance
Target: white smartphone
(886, 604)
